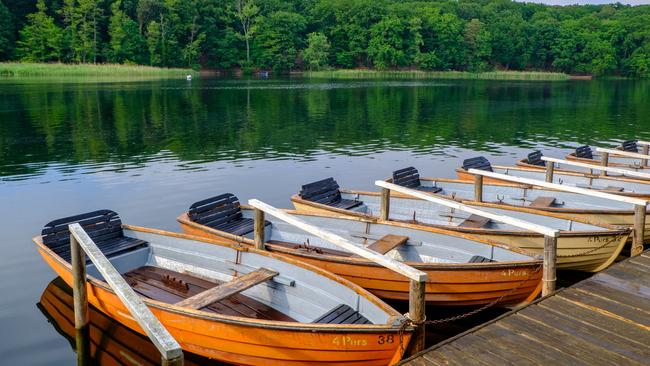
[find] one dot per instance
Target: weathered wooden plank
(631, 173)
(571, 348)
(511, 344)
(337, 240)
(228, 289)
(461, 207)
(613, 348)
(607, 307)
(638, 293)
(439, 358)
(560, 187)
(579, 319)
(543, 201)
(474, 347)
(453, 352)
(166, 344)
(388, 243)
(628, 154)
(474, 221)
(630, 272)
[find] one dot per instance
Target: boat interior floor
(171, 287)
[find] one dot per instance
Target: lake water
(149, 149)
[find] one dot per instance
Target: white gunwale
(546, 231)
(630, 173)
(560, 187)
(399, 267)
(628, 154)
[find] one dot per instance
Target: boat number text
(349, 341)
(386, 339)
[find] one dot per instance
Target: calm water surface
(149, 149)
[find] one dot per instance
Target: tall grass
(15, 69)
(418, 74)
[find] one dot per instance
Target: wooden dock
(603, 320)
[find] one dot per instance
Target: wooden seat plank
(388, 243)
(543, 201)
(228, 289)
(474, 221)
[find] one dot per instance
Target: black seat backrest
(101, 226)
(584, 152)
(630, 145)
(535, 158)
(216, 211)
(478, 162)
(407, 177)
(324, 191)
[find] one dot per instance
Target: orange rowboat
(289, 313)
(462, 269)
(111, 343)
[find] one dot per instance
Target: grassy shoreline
(16, 69)
(418, 74)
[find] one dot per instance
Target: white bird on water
(189, 77)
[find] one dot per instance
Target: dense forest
(284, 35)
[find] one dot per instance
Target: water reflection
(110, 342)
(118, 127)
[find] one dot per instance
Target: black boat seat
(327, 192)
(103, 226)
(535, 158)
(584, 152)
(410, 178)
(479, 162)
(222, 212)
(630, 145)
(342, 314)
(480, 259)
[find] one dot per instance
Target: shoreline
(420, 74)
(19, 69)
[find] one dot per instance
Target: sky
(582, 2)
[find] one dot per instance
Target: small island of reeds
(420, 74)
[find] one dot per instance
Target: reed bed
(15, 69)
(418, 74)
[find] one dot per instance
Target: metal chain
(408, 321)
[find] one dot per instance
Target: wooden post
(417, 314)
(385, 204)
(550, 256)
(604, 161)
(259, 229)
(178, 361)
(80, 302)
(644, 151)
(171, 352)
(639, 229)
(478, 188)
(550, 169)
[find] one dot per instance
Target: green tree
(6, 33)
(40, 39)
(316, 55)
(126, 42)
(247, 13)
(385, 47)
(278, 40)
(477, 45)
(82, 19)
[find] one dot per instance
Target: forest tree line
(285, 35)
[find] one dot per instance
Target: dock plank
(603, 320)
